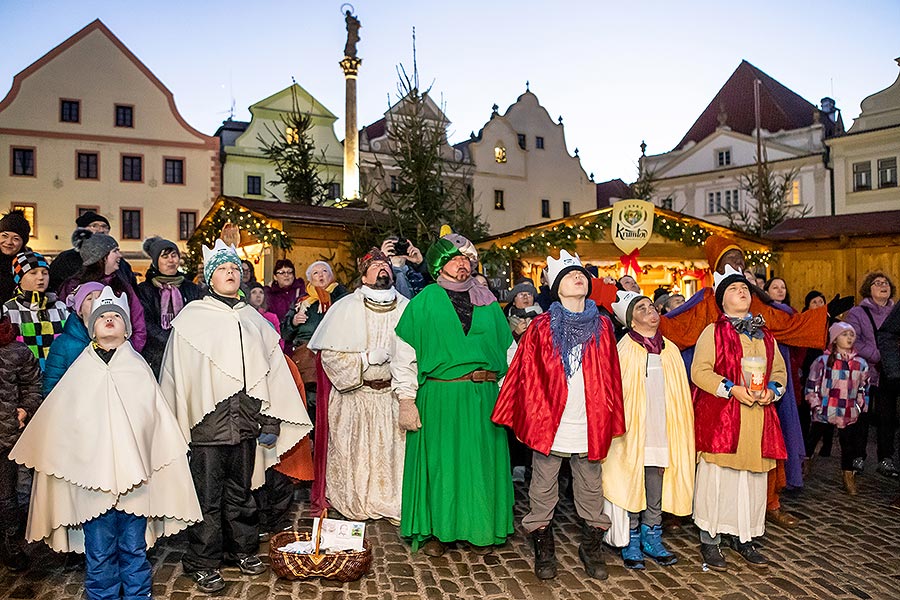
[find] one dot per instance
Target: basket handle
(322, 518)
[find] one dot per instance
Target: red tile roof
(855, 225)
(780, 108)
(614, 188)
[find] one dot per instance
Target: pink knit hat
(837, 329)
(76, 298)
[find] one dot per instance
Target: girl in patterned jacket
(837, 392)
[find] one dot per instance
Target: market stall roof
(817, 228)
(298, 213)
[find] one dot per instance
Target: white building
(865, 159)
(89, 127)
(701, 176)
(524, 174)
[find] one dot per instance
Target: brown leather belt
(477, 376)
(378, 384)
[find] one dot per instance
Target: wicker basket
(347, 565)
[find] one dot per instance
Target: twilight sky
(617, 72)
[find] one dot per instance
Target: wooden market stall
(271, 230)
(673, 257)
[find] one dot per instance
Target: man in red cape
(562, 397)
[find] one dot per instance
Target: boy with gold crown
(110, 468)
(562, 397)
(225, 377)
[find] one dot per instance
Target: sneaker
(208, 581)
(858, 464)
(886, 467)
(748, 552)
(250, 564)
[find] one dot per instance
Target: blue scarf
(573, 329)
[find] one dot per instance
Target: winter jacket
(39, 319)
(66, 348)
(866, 345)
(280, 300)
(138, 327)
(889, 345)
(294, 335)
(840, 392)
(20, 384)
(157, 337)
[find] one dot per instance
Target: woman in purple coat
(285, 290)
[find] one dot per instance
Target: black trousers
(853, 444)
(823, 432)
(884, 417)
(230, 523)
(274, 500)
(9, 501)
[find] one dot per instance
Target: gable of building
(881, 109)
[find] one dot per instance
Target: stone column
(350, 66)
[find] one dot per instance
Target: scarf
(35, 301)
(478, 294)
(749, 325)
(652, 345)
(379, 297)
(572, 330)
(170, 299)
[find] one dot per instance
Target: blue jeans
(116, 564)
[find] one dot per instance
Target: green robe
(456, 480)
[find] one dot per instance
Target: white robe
(105, 438)
(215, 351)
(364, 468)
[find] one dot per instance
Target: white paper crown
(720, 277)
(107, 297)
(622, 303)
(555, 266)
(219, 246)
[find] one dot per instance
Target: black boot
(11, 553)
(591, 552)
(544, 553)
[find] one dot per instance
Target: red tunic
(807, 329)
(534, 391)
(717, 421)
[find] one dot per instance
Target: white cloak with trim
(212, 351)
(105, 438)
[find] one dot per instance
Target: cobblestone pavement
(844, 548)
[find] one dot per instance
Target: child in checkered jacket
(837, 392)
(37, 313)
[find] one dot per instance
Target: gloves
(408, 419)
(267, 440)
(378, 356)
(839, 305)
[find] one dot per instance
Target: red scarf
(717, 421)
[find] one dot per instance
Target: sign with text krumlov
(632, 224)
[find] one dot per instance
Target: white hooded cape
(212, 351)
(105, 438)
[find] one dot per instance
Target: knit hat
(26, 261)
(439, 254)
(15, 222)
(716, 246)
(556, 270)
(90, 217)
(92, 246)
(837, 329)
(624, 305)
(218, 255)
(523, 286)
(372, 256)
(319, 263)
(106, 302)
(76, 298)
(721, 281)
(155, 246)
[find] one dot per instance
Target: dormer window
(499, 153)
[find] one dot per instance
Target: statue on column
(352, 34)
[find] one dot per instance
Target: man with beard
(457, 483)
(370, 370)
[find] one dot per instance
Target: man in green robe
(456, 481)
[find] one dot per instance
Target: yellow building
(89, 127)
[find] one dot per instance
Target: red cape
(534, 391)
(717, 421)
(807, 329)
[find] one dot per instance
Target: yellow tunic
(623, 468)
(749, 450)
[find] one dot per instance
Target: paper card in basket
(340, 535)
